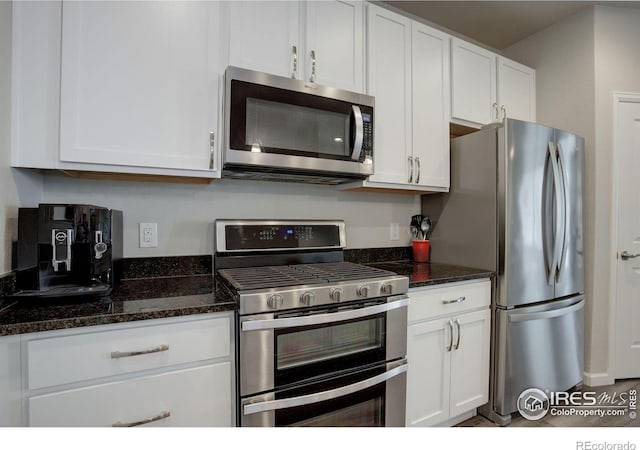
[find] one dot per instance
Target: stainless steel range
(321, 342)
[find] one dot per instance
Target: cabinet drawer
(427, 303)
(191, 397)
(67, 359)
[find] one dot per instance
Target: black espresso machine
(67, 250)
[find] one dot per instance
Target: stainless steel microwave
(292, 130)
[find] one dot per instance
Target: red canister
(420, 251)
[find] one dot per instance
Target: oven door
(282, 349)
(366, 398)
(282, 123)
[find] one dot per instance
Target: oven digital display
(258, 237)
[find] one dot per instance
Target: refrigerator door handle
(559, 211)
(546, 314)
(565, 194)
(551, 154)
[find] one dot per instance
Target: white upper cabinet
(265, 36)
(140, 83)
(487, 88)
(319, 41)
(473, 83)
(335, 44)
(516, 90)
(389, 81)
(431, 103)
(408, 73)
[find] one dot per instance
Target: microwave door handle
(273, 405)
(357, 142)
(318, 319)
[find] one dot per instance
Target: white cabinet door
(263, 35)
(335, 37)
(200, 396)
(470, 362)
(10, 382)
(389, 80)
(517, 89)
(473, 83)
(428, 378)
(431, 102)
(139, 83)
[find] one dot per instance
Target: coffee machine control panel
(61, 243)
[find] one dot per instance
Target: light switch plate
(394, 231)
(148, 234)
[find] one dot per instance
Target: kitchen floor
(572, 421)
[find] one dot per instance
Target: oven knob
(386, 289)
(336, 294)
(275, 301)
(363, 291)
(307, 298)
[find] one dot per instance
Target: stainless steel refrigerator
(515, 207)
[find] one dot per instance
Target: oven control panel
(250, 235)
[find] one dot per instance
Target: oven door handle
(291, 322)
(273, 405)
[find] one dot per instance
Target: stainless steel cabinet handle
(455, 300)
(450, 346)
(313, 66)
(410, 169)
(418, 166)
(162, 415)
(160, 348)
(457, 346)
(626, 255)
(273, 405)
(290, 322)
(494, 112)
(504, 113)
(294, 74)
(212, 149)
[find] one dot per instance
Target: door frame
(618, 97)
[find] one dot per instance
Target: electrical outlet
(394, 232)
(148, 234)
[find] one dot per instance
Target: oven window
(273, 125)
(363, 408)
(365, 414)
(310, 346)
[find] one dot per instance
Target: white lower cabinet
(165, 372)
(448, 352)
(190, 397)
(10, 382)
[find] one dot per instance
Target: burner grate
(299, 274)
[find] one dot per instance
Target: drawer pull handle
(455, 300)
(161, 348)
(162, 415)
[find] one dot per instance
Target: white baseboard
(597, 379)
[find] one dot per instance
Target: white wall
(16, 188)
(185, 213)
(617, 68)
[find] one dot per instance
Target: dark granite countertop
(148, 293)
(135, 299)
(427, 274)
